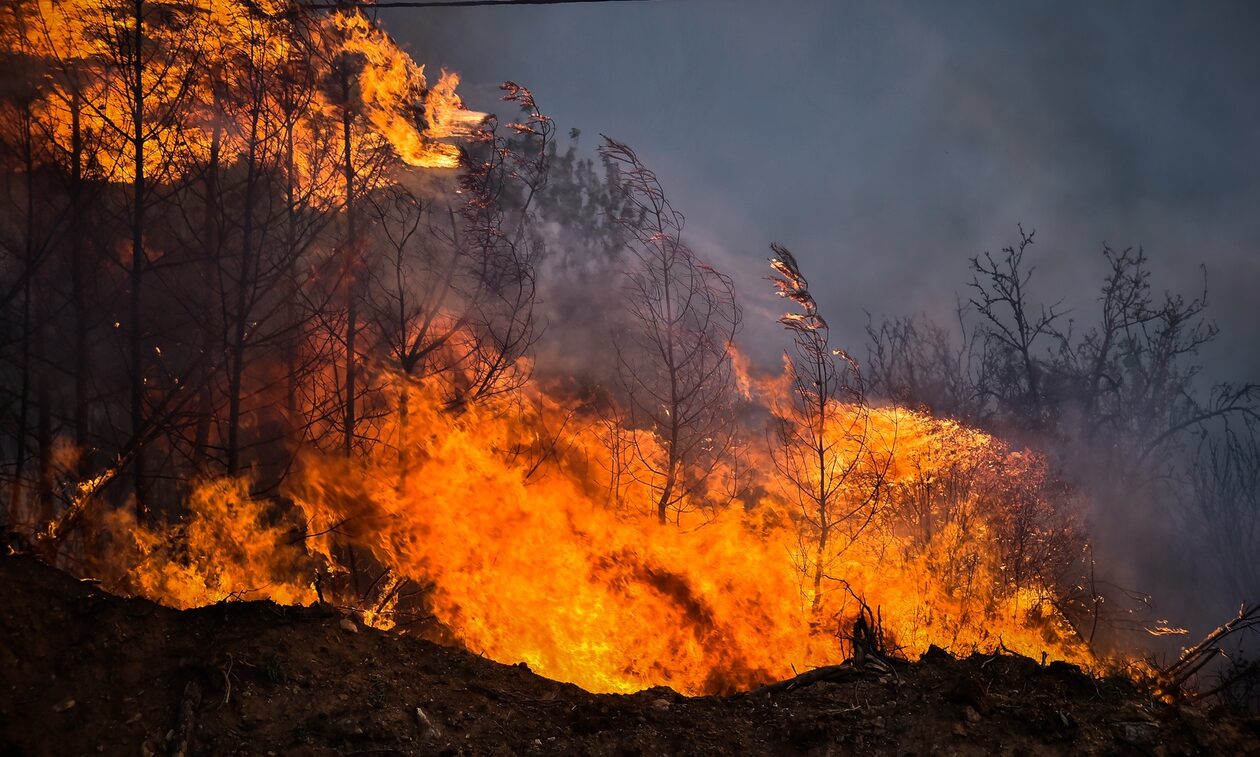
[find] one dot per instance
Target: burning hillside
(289, 323)
(87, 673)
(522, 557)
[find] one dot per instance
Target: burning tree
(192, 140)
(676, 364)
(824, 445)
(336, 369)
(452, 294)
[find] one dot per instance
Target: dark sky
(885, 143)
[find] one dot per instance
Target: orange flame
(532, 546)
(392, 84)
(191, 52)
(530, 559)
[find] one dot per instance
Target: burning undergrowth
(303, 370)
(528, 550)
(85, 672)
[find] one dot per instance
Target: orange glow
(531, 544)
(227, 548)
(391, 84)
(209, 68)
(529, 561)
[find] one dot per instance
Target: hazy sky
(887, 142)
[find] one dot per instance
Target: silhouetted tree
(823, 444)
(675, 364)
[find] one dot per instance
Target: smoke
(887, 144)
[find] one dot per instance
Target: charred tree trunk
(351, 267)
(671, 365)
(823, 503)
(43, 424)
(404, 431)
(210, 272)
(135, 296)
(242, 303)
(293, 326)
(24, 359)
(78, 288)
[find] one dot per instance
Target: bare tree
(76, 149)
(675, 364)
(259, 117)
(363, 157)
(308, 181)
(27, 245)
(501, 183)
(1013, 329)
(1225, 477)
(451, 294)
(918, 362)
(1119, 405)
(153, 49)
(823, 444)
(346, 97)
(1127, 381)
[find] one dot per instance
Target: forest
(283, 319)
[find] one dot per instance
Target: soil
(84, 672)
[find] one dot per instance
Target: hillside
(85, 672)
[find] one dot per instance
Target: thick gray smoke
(886, 144)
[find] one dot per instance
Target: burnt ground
(84, 672)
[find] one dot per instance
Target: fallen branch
(849, 670)
(1193, 659)
(845, 671)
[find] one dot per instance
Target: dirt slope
(83, 672)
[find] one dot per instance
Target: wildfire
(194, 105)
(527, 532)
(390, 82)
(534, 554)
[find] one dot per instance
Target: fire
(391, 84)
(445, 110)
(528, 531)
(529, 559)
(195, 60)
(229, 547)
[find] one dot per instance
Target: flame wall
(529, 558)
